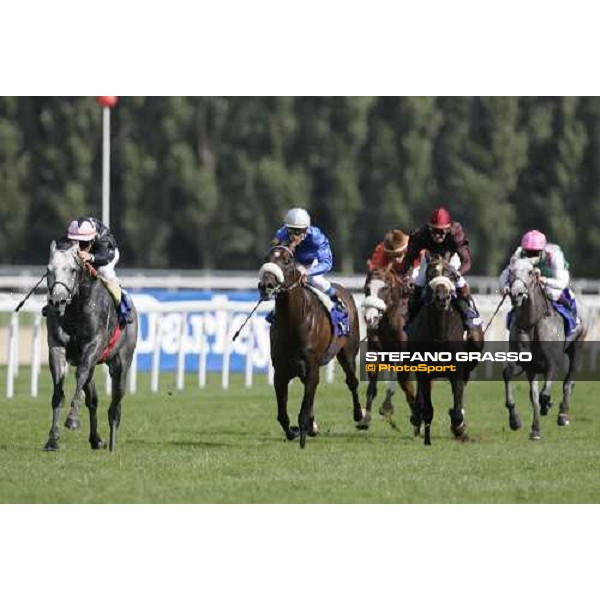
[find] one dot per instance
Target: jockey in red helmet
(443, 236)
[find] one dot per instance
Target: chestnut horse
(385, 307)
(302, 339)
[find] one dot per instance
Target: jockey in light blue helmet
(311, 248)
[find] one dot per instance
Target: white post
(226, 354)
(181, 352)
(156, 354)
(133, 373)
(250, 353)
(107, 380)
(106, 166)
(330, 371)
(12, 355)
(202, 352)
(35, 355)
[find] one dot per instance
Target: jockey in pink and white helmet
(553, 269)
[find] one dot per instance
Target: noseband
(283, 288)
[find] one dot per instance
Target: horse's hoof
(427, 441)
(563, 420)
(359, 415)
(515, 423)
(458, 431)
(535, 436)
(51, 446)
(417, 430)
(303, 440)
(364, 423)
(314, 430)
(545, 405)
(386, 409)
(292, 433)
(72, 424)
(97, 444)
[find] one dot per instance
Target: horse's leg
(306, 416)
(408, 388)
(508, 373)
(417, 414)
(364, 423)
(546, 393)
(347, 359)
(574, 353)
(91, 401)
(58, 361)
(118, 375)
(72, 420)
(387, 406)
(457, 412)
(534, 397)
(281, 382)
(427, 410)
(85, 370)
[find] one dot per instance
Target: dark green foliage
(203, 182)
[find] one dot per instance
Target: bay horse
(302, 339)
(385, 308)
(81, 321)
(438, 327)
(538, 328)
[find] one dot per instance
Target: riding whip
(247, 319)
(35, 287)
(495, 313)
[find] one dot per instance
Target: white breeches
(319, 282)
(108, 271)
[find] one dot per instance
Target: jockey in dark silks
(554, 276)
(311, 249)
(444, 237)
(98, 247)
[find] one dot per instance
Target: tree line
(203, 182)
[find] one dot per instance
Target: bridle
(281, 287)
(70, 290)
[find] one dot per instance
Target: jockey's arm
(415, 245)
(560, 277)
(103, 252)
(462, 248)
(324, 257)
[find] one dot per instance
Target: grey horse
(81, 320)
(538, 328)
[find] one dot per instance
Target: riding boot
(332, 293)
(125, 310)
(467, 309)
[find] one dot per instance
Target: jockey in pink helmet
(554, 274)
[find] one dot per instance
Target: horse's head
(441, 277)
(278, 273)
(522, 276)
(382, 290)
(64, 270)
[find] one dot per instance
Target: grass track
(226, 447)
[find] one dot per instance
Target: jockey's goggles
(436, 231)
(532, 253)
(293, 231)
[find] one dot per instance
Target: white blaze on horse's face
(373, 305)
(520, 275)
(442, 289)
(62, 276)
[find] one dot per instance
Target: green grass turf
(219, 446)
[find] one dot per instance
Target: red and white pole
(106, 102)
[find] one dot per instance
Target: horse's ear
(52, 249)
